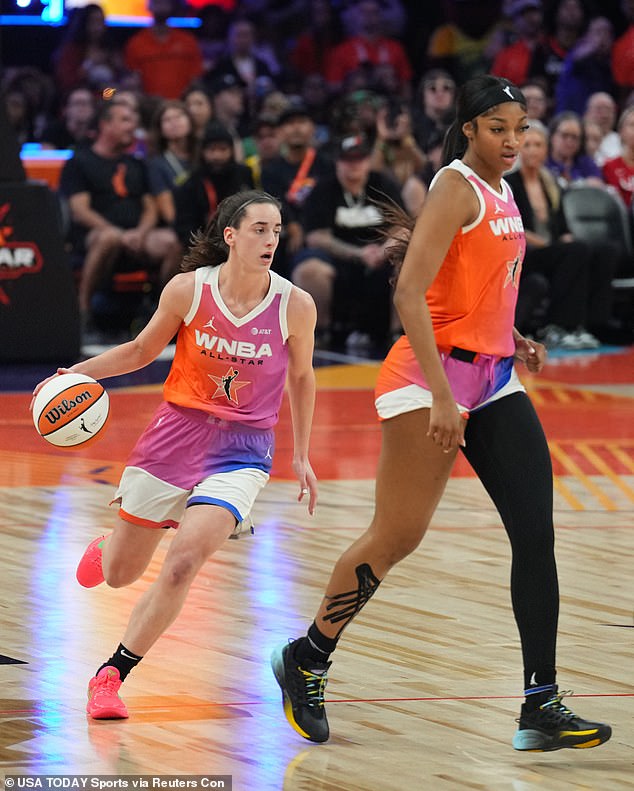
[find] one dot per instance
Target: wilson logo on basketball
(71, 409)
(57, 412)
(16, 258)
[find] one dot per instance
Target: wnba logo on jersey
(507, 225)
(16, 258)
(233, 348)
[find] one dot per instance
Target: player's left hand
(308, 484)
(531, 353)
(39, 386)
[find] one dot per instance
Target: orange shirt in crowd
(167, 64)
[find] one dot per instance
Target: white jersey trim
(465, 171)
(504, 197)
(285, 287)
(199, 279)
(209, 275)
(252, 314)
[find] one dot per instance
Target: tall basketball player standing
(458, 273)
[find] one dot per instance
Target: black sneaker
(553, 726)
(302, 693)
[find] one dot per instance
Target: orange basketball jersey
(472, 299)
(233, 368)
(473, 296)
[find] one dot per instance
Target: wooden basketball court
(426, 684)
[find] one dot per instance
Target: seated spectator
(592, 137)
(601, 109)
(566, 21)
(312, 49)
(274, 103)
(111, 208)
(88, 54)
(267, 146)
(526, 56)
(166, 58)
(394, 17)
(568, 161)
(369, 46)
(317, 98)
(200, 107)
(228, 98)
(143, 107)
(20, 114)
(212, 34)
(175, 150)
(537, 102)
(75, 126)
(343, 266)
(623, 53)
(433, 109)
(30, 96)
(579, 274)
(268, 39)
(619, 172)
(241, 62)
(293, 174)
(217, 176)
(397, 154)
(587, 68)
(354, 113)
(466, 44)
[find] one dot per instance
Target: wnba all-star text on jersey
(509, 228)
(236, 351)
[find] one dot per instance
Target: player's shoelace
(556, 712)
(313, 687)
(110, 685)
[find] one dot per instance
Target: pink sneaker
(104, 702)
(89, 572)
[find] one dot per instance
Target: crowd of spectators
(327, 105)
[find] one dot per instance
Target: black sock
(538, 695)
(123, 660)
(315, 647)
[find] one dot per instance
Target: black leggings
(506, 446)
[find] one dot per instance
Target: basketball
(71, 410)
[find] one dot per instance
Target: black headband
(492, 96)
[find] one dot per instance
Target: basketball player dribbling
(243, 333)
(449, 383)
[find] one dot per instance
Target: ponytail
(206, 247)
(396, 232)
(454, 144)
